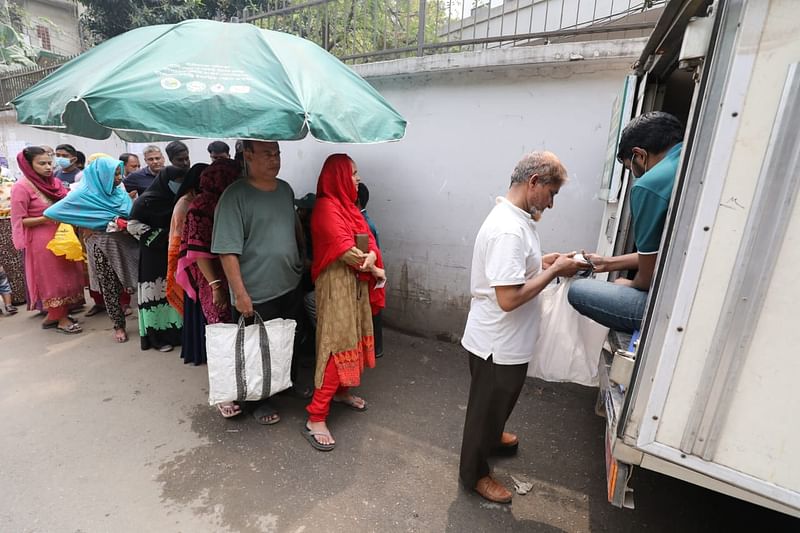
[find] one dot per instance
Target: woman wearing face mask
(54, 281)
(100, 206)
(66, 164)
(159, 323)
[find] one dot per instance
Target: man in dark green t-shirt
(255, 235)
(650, 147)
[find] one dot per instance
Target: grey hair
(545, 164)
(150, 148)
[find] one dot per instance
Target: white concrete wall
(471, 117)
(467, 129)
(14, 137)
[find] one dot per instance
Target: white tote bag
(247, 363)
(569, 344)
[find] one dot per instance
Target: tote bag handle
(266, 363)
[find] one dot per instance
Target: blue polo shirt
(650, 197)
(139, 181)
(67, 178)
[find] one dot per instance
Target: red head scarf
(336, 220)
(50, 187)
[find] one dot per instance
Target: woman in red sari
(345, 278)
(53, 280)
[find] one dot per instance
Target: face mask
(174, 186)
(63, 162)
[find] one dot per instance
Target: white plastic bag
(569, 344)
(240, 357)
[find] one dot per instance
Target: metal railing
(14, 82)
(367, 30)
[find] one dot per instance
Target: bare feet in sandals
(120, 335)
(229, 409)
(68, 326)
(352, 401)
(319, 436)
(266, 414)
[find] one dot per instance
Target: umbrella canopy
(202, 78)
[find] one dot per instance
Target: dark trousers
(493, 393)
(290, 306)
(377, 332)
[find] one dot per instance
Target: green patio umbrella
(202, 78)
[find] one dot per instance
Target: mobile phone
(362, 242)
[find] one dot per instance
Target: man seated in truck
(650, 147)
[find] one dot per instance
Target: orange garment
(174, 291)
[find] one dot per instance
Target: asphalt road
(102, 437)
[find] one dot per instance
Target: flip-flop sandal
(263, 413)
(121, 340)
(351, 404)
(72, 329)
(236, 410)
(311, 438)
(11, 310)
(96, 309)
(54, 323)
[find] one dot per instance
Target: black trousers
(377, 332)
(290, 306)
(493, 393)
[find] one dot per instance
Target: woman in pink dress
(53, 280)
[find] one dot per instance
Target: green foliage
(343, 27)
(353, 27)
(106, 18)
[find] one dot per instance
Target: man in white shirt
(508, 271)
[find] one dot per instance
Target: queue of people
(207, 244)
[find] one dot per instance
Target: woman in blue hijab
(101, 204)
(97, 200)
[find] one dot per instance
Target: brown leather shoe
(508, 439)
(492, 490)
(509, 444)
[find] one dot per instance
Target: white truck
(710, 393)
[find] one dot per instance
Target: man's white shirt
(507, 252)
